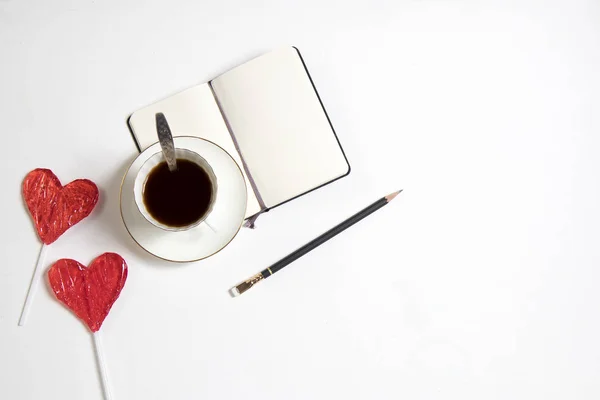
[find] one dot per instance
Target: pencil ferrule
(248, 283)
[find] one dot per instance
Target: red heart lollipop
(55, 208)
(89, 292)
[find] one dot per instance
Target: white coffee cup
(142, 177)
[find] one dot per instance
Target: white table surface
(479, 282)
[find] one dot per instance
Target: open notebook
(268, 116)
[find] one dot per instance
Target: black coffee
(178, 198)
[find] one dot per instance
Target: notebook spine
(250, 222)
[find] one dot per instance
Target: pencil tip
(391, 196)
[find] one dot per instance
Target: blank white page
(280, 125)
(193, 112)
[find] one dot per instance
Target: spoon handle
(166, 141)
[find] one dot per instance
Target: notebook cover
(328, 120)
(332, 130)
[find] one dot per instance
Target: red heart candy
(89, 292)
(55, 208)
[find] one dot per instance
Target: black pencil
(247, 284)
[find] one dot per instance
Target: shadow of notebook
(268, 116)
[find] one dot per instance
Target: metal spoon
(166, 141)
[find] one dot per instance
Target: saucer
(211, 235)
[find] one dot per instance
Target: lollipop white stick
(33, 285)
(102, 365)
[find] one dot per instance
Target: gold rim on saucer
(148, 251)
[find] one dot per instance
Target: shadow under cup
(148, 168)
